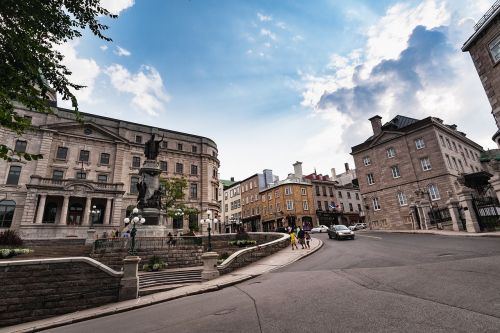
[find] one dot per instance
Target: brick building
(409, 168)
(89, 171)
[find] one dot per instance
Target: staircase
(153, 282)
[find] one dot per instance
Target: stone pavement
(443, 233)
(277, 260)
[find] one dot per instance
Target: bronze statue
(152, 148)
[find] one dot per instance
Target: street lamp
(209, 220)
(94, 212)
(135, 219)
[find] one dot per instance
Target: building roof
(228, 183)
(482, 24)
(399, 122)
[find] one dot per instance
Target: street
(380, 282)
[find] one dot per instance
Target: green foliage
(243, 242)
(8, 253)
(10, 238)
(223, 256)
(155, 263)
(30, 66)
(173, 192)
(242, 234)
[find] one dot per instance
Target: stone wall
(249, 255)
(220, 243)
(37, 289)
(175, 257)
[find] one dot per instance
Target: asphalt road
(377, 283)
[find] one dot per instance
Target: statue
(149, 193)
(152, 148)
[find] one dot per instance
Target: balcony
(64, 184)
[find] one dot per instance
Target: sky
(274, 82)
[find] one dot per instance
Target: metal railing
(486, 16)
(150, 243)
(65, 182)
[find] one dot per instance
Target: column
(63, 220)
(455, 214)
(107, 212)
(86, 211)
(116, 216)
(465, 199)
(41, 208)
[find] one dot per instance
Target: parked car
(339, 232)
(357, 226)
(321, 228)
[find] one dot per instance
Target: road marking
(369, 236)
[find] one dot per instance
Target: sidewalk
(275, 261)
(443, 233)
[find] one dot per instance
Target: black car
(339, 232)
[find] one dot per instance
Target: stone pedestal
(90, 237)
(210, 270)
(129, 284)
(152, 216)
(465, 200)
(455, 214)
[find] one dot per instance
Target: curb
(117, 309)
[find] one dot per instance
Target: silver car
(340, 232)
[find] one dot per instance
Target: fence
(440, 216)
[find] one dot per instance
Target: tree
(30, 66)
(173, 199)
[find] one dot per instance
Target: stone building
(232, 206)
(409, 169)
(89, 171)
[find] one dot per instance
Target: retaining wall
(38, 289)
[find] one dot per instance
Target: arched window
(7, 208)
(49, 215)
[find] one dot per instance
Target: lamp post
(179, 213)
(94, 212)
(135, 219)
(208, 221)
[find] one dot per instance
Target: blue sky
(273, 82)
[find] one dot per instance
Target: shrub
(242, 235)
(10, 238)
(155, 263)
(243, 242)
(7, 253)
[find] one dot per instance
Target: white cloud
(264, 18)
(120, 51)
(281, 25)
(297, 38)
(116, 6)
(103, 47)
(268, 33)
(146, 86)
(84, 72)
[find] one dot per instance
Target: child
(293, 240)
(308, 239)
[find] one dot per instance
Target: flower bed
(9, 253)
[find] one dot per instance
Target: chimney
(232, 179)
(297, 169)
(346, 165)
(376, 124)
(334, 174)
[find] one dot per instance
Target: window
(461, 165)
(20, 146)
(133, 185)
(136, 162)
(402, 199)
(102, 178)
(340, 194)
(455, 163)
(391, 152)
(330, 189)
(179, 168)
(351, 208)
(434, 192)
(194, 169)
(442, 141)
(467, 153)
(395, 171)
(324, 190)
(494, 47)
(194, 149)
(303, 191)
(448, 143)
(419, 143)
(367, 161)
(164, 166)
(177, 222)
(14, 174)
(81, 175)
(164, 144)
(269, 196)
(305, 205)
(455, 146)
(289, 205)
(193, 191)
(376, 204)
(276, 194)
(62, 153)
(179, 146)
(448, 161)
(57, 174)
(84, 156)
(357, 196)
(104, 159)
(7, 208)
(370, 178)
(426, 164)
(319, 205)
(278, 209)
(326, 205)
(348, 195)
(318, 190)
(138, 139)
(359, 207)
(288, 190)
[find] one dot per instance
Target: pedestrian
(126, 234)
(170, 239)
(293, 240)
(308, 239)
(301, 235)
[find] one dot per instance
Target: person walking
(308, 239)
(293, 240)
(301, 235)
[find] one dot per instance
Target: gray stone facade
(93, 165)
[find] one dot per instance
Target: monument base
(152, 231)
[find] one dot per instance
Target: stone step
(147, 280)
